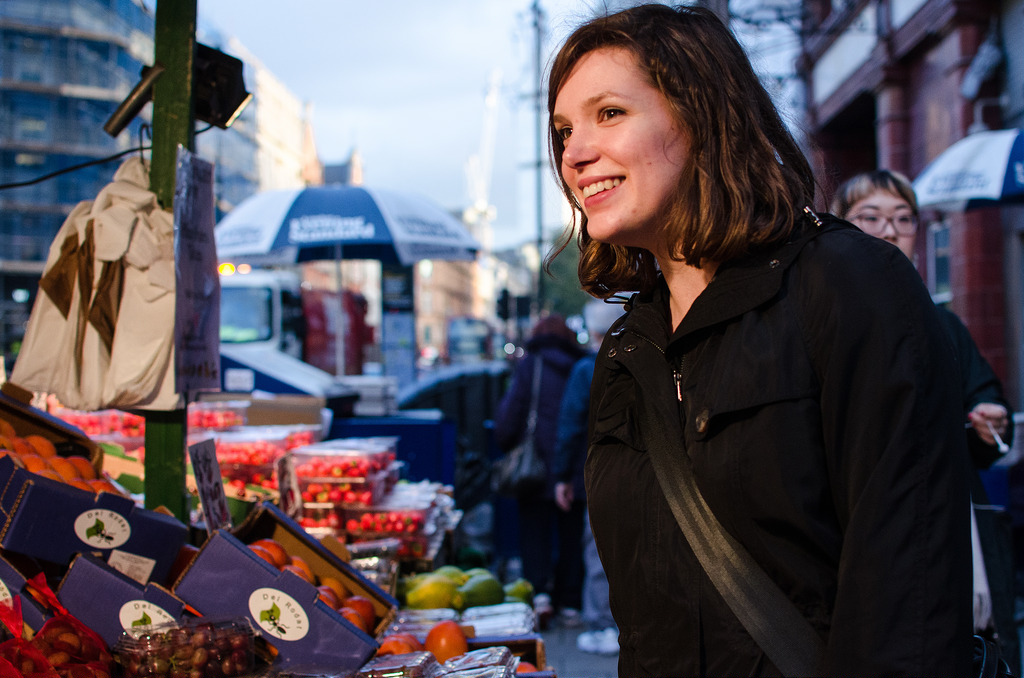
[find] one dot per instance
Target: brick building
(893, 83)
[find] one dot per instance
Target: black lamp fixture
(218, 91)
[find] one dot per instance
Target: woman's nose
(578, 151)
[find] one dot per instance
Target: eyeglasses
(904, 224)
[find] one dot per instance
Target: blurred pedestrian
(882, 203)
(601, 636)
(772, 389)
(549, 539)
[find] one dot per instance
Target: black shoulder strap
(768, 615)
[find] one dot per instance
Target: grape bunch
(200, 650)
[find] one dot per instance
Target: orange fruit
(281, 557)
(263, 553)
(103, 485)
(292, 567)
(51, 474)
(7, 428)
(42, 446)
(363, 606)
(335, 584)
(5, 442)
(355, 619)
(327, 594)
(445, 640)
(300, 562)
(34, 463)
(525, 667)
(83, 466)
(417, 646)
(82, 485)
(65, 468)
(395, 644)
(22, 446)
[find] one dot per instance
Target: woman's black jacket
(826, 432)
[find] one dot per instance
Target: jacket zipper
(678, 372)
(677, 376)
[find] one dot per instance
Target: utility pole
(538, 27)
(173, 125)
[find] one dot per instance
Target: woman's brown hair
(746, 180)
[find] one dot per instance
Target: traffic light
(504, 305)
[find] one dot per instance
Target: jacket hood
(555, 350)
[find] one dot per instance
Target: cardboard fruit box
(111, 603)
(227, 579)
(27, 420)
(268, 521)
(52, 521)
(13, 584)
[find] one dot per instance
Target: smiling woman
(772, 455)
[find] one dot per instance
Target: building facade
(893, 83)
(65, 65)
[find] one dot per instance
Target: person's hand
(563, 495)
(984, 414)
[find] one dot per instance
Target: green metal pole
(173, 125)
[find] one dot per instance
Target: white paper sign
(210, 484)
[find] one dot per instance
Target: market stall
(331, 562)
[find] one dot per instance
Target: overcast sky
(404, 83)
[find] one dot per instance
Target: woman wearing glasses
(883, 204)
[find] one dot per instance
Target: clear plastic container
(199, 647)
(408, 665)
(249, 454)
(497, 655)
(503, 619)
(419, 622)
(342, 491)
(481, 672)
(346, 457)
(411, 546)
(104, 422)
(391, 518)
(381, 548)
(217, 415)
(381, 571)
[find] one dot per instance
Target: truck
(262, 308)
(278, 334)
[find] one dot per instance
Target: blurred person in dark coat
(601, 636)
(883, 204)
(550, 540)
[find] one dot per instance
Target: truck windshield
(245, 314)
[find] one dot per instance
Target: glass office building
(65, 65)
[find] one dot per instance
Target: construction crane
(481, 212)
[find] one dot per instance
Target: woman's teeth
(599, 186)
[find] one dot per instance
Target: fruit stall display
(348, 490)
(128, 429)
(92, 585)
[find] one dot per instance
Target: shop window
(938, 261)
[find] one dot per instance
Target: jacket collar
(737, 287)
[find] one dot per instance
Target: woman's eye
(564, 133)
(610, 113)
